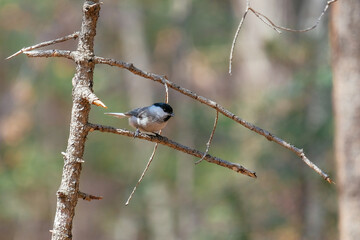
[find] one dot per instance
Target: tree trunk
(345, 43)
(67, 194)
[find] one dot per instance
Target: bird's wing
(135, 112)
(118, 115)
(142, 113)
(139, 113)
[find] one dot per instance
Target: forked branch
(271, 24)
(177, 146)
(47, 43)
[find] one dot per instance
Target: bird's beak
(173, 114)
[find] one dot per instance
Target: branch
(237, 34)
(50, 53)
(268, 22)
(177, 146)
(44, 44)
(210, 139)
(277, 28)
(88, 197)
(90, 96)
(143, 173)
(265, 20)
(161, 79)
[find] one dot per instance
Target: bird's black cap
(166, 107)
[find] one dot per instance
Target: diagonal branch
(177, 146)
(161, 79)
(265, 20)
(210, 138)
(237, 34)
(143, 173)
(44, 44)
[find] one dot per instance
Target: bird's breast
(145, 125)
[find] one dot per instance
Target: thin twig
(269, 136)
(88, 197)
(143, 174)
(44, 44)
(237, 34)
(277, 28)
(271, 24)
(177, 146)
(166, 92)
(210, 139)
(265, 20)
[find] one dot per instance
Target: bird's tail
(118, 115)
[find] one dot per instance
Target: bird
(150, 119)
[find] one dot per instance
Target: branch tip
(88, 197)
(329, 180)
(99, 103)
(47, 43)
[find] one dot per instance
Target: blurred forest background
(281, 83)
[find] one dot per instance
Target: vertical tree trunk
(345, 42)
(67, 194)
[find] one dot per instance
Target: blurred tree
(345, 34)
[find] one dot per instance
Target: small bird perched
(148, 119)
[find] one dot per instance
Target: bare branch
(99, 103)
(265, 20)
(88, 197)
(93, 99)
(47, 43)
(87, 94)
(143, 174)
(50, 53)
(277, 28)
(166, 92)
(212, 104)
(177, 146)
(210, 139)
(271, 24)
(237, 34)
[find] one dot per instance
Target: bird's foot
(137, 132)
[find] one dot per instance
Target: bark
(68, 193)
(345, 43)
